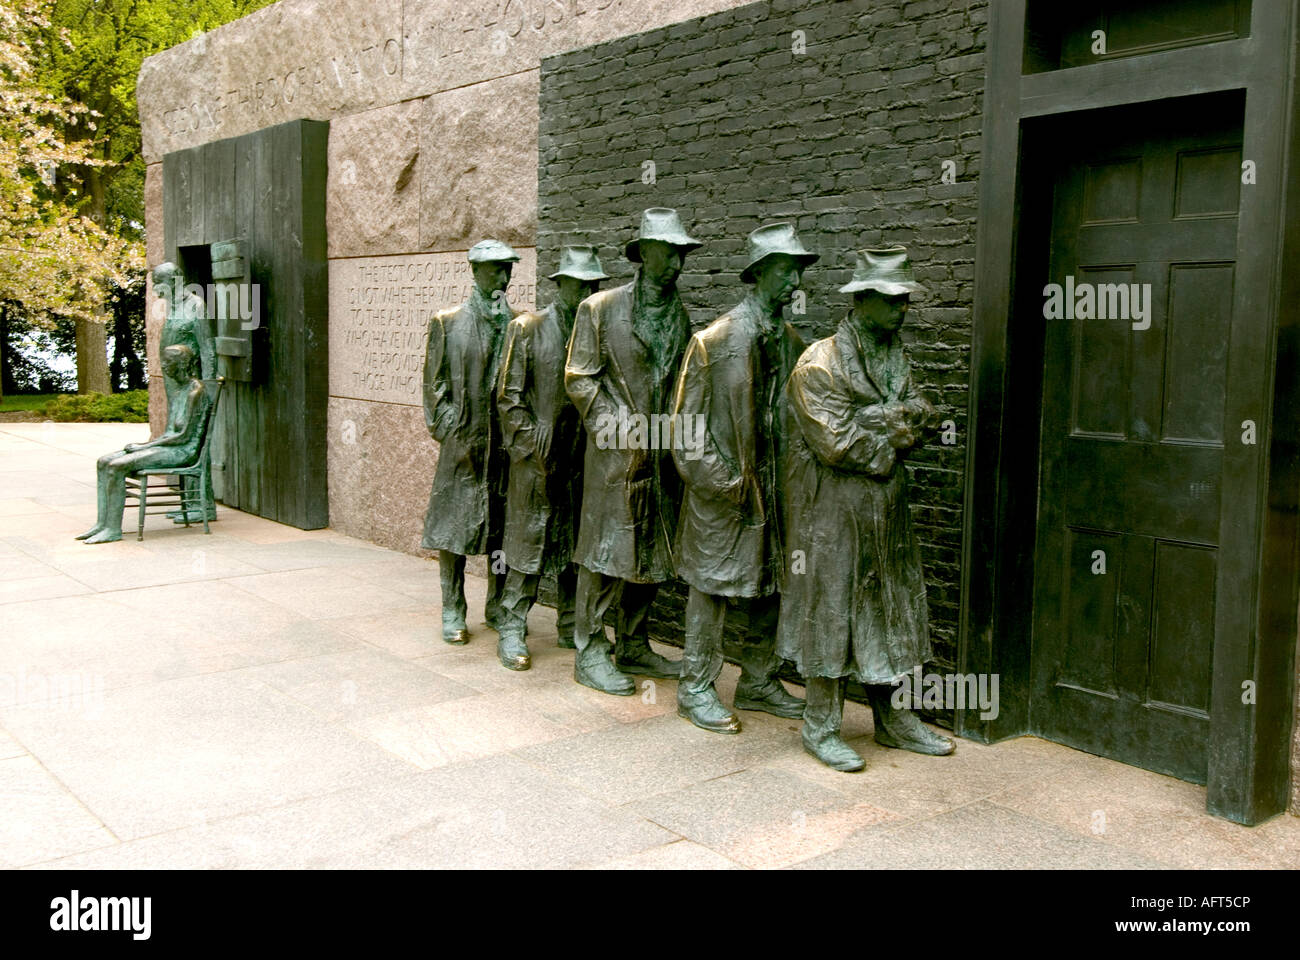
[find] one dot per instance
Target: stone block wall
(840, 117)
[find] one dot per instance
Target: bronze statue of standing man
(186, 324)
(730, 540)
(544, 437)
(467, 503)
(623, 362)
(854, 601)
(186, 321)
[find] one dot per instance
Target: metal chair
(165, 496)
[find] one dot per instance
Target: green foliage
(53, 260)
(71, 170)
(34, 402)
(106, 41)
(129, 407)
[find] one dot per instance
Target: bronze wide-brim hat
(581, 263)
(768, 241)
(492, 251)
(884, 269)
(661, 223)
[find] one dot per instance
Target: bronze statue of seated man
(178, 447)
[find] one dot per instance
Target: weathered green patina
(854, 599)
(177, 447)
(544, 437)
(467, 502)
(623, 362)
(729, 537)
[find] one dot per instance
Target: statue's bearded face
(779, 277)
(880, 313)
(491, 277)
(662, 262)
(164, 284)
(573, 291)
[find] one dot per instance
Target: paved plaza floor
(266, 697)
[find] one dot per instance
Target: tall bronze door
(1144, 236)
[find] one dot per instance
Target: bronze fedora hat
(661, 223)
(581, 263)
(492, 251)
(884, 269)
(768, 241)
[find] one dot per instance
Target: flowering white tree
(54, 260)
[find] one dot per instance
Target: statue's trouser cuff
(493, 608)
(759, 663)
(451, 571)
(566, 587)
(518, 598)
(632, 626)
(520, 594)
(881, 698)
(596, 592)
(706, 616)
(824, 710)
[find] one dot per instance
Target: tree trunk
(92, 338)
(4, 350)
(126, 372)
(92, 357)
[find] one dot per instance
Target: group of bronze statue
(599, 443)
(789, 500)
(188, 357)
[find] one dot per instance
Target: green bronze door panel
(1144, 238)
(232, 291)
(249, 212)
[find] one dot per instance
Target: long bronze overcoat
(858, 609)
(630, 498)
(545, 488)
(467, 502)
(729, 537)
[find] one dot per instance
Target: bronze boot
(454, 630)
(634, 655)
(901, 728)
(772, 698)
(706, 711)
(512, 651)
(758, 688)
(591, 668)
(821, 725)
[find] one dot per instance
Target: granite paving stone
(149, 759)
(1163, 818)
(39, 819)
(763, 818)
(494, 813)
(978, 836)
(678, 855)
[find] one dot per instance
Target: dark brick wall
(846, 140)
